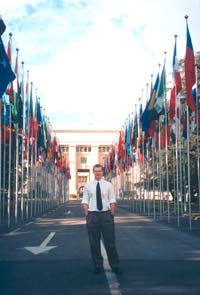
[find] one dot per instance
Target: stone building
(83, 149)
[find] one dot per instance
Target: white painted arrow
(43, 247)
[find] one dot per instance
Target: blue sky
(90, 59)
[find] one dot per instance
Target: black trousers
(102, 223)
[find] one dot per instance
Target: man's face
(98, 173)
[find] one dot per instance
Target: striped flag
(190, 77)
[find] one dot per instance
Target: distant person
(99, 204)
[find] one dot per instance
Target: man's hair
(97, 166)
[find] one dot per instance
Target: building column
(94, 159)
(72, 164)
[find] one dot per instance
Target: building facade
(82, 149)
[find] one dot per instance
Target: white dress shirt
(107, 195)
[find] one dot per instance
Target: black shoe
(97, 270)
(116, 270)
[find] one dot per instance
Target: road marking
(28, 223)
(13, 232)
(111, 277)
(43, 246)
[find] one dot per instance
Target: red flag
(9, 90)
(176, 73)
(190, 77)
(172, 103)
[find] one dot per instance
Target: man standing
(99, 204)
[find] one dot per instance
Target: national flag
(121, 146)
(184, 122)
(2, 26)
(9, 90)
(127, 139)
(146, 116)
(20, 107)
(172, 104)
(30, 115)
(152, 128)
(177, 84)
(135, 132)
(6, 73)
(165, 133)
(5, 121)
(176, 72)
(16, 93)
(158, 108)
(190, 77)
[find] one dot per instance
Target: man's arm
(112, 208)
(85, 209)
(85, 201)
(112, 199)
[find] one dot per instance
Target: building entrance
(82, 178)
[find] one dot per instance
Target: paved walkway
(50, 256)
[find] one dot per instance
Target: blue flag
(6, 73)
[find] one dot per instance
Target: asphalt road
(50, 256)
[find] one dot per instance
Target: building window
(104, 149)
(64, 148)
(83, 149)
(83, 160)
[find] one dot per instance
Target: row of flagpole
(34, 175)
(159, 172)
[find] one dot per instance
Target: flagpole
(166, 146)
(197, 137)
(184, 177)
(141, 167)
(35, 166)
(31, 162)
(22, 157)
(159, 167)
(148, 174)
(180, 160)
(9, 168)
(188, 159)
(159, 170)
(153, 168)
(147, 162)
(9, 155)
(0, 158)
(17, 146)
(4, 167)
(188, 137)
(27, 149)
(176, 154)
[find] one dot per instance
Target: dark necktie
(98, 196)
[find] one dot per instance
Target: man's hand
(112, 208)
(85, 209)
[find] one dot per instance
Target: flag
(6, 73)
(165, 133)
(135, 132)
(16, 93)
(146, 116)
(2, 26)
(121, 145)
(127, 139)
(5, 122)
(30, 115)
(190, 77)
(9, 89)
(184, 122)
(158, 108)
(176, 72)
